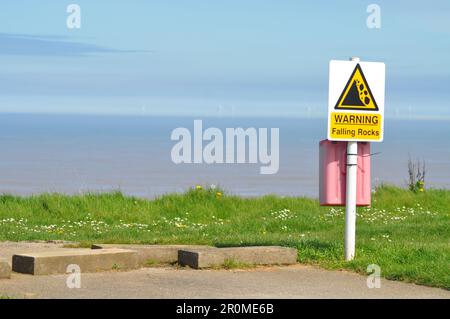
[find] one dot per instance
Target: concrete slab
(56, 261)
(162, 254)
(258, 255)
(5, 269)
(8, 248)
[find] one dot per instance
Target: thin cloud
(50, 45)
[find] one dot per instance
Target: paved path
(296, 281)
(274, 282)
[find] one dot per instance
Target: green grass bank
(407, 234)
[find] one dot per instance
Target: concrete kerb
(257, 255)
(157, 254)
(57, 261)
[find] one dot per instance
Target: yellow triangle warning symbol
(356, 94)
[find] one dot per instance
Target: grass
(407, 234)
(231, 264)
(152, 263)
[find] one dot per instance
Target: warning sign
(356, 101)
(357, 94)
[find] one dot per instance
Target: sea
(75, 154)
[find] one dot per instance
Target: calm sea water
(71, 154)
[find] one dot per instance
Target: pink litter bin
(332, 174)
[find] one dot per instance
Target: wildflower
(218, 194)
(198, 187)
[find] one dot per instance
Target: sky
(217, 58)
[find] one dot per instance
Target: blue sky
(219, 58)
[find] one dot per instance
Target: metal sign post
(350, 197)
(350, 200)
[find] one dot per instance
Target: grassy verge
(406, 234)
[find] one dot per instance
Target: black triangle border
(358, 67)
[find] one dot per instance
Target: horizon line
(226, 116)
